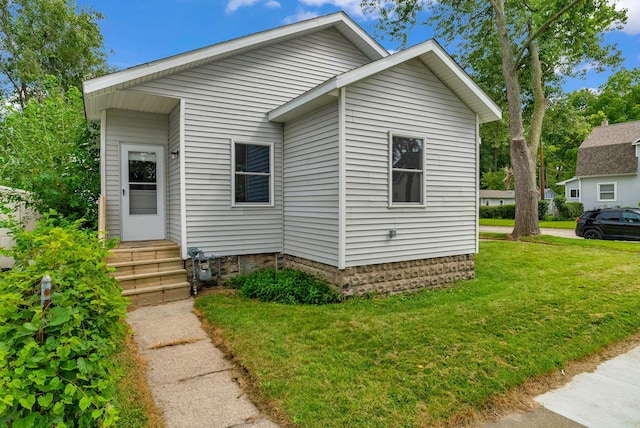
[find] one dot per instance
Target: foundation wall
(383, 278)
(390, 278)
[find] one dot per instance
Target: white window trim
(577, 192)
(391, 204)
(233, 175)
(615, 192)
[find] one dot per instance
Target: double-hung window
(574, 193)
(606, 191)
(406, 170)
(252, 173)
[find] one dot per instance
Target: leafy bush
(49, 150)
(56, 368)
(498, 211)
(286, 286)
(543, 207)
(567, 210)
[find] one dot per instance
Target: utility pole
(542, 184)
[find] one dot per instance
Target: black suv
(609, 223)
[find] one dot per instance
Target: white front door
(142, 192)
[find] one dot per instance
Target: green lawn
(420, 359)
(571, 224)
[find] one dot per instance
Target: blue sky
(139, 31)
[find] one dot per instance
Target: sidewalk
(608, 397)
(190, 380)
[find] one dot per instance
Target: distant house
(607, 171)
(491, 198)
(308, 145)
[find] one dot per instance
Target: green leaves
(47, 149)
(286, 286)
(56, 366)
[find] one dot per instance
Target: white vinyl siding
(228, 100)
(409, 98)
(173, 178)
(311, 186)
(127, 127)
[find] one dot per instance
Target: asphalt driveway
(563, 233)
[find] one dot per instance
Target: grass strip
(133, 396)
(421, 359)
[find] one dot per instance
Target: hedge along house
(307, 145)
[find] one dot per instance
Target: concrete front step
(154, 295)
(150, 272)
(130, 268)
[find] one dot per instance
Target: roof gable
(430, 53)
(98, 87)
(609, 150)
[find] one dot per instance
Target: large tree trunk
(522, 162)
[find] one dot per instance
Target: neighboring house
(492, 198)
(21, 214)
(607, 171)
(309, 144)
(549, 196)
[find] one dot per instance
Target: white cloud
(300, 15)
(633, 15)
(234, 5)
(352, 7)
(273, 4)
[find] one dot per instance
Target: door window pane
(143, 197)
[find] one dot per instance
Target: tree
(39, 38)
(564, 129)
(618, 100)
(47, 149)
(533, 43)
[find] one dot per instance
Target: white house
(492, 198)
(607, 169)
(308, 141)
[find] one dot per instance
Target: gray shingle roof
(609, 150)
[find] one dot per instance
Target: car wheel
(592, 234)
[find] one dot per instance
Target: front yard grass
(426, 358)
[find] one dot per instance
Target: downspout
(183, 186)
(103, 151)
(342, 184)
(477, 208)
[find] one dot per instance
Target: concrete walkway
(190, 380)
(608, 397)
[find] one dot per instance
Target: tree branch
(542, 28)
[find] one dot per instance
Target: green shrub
(56, 368)
(574, 209)
(543, 207)
(567, 210)
(286, 286)
(498, 211)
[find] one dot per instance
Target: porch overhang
(95, 103)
